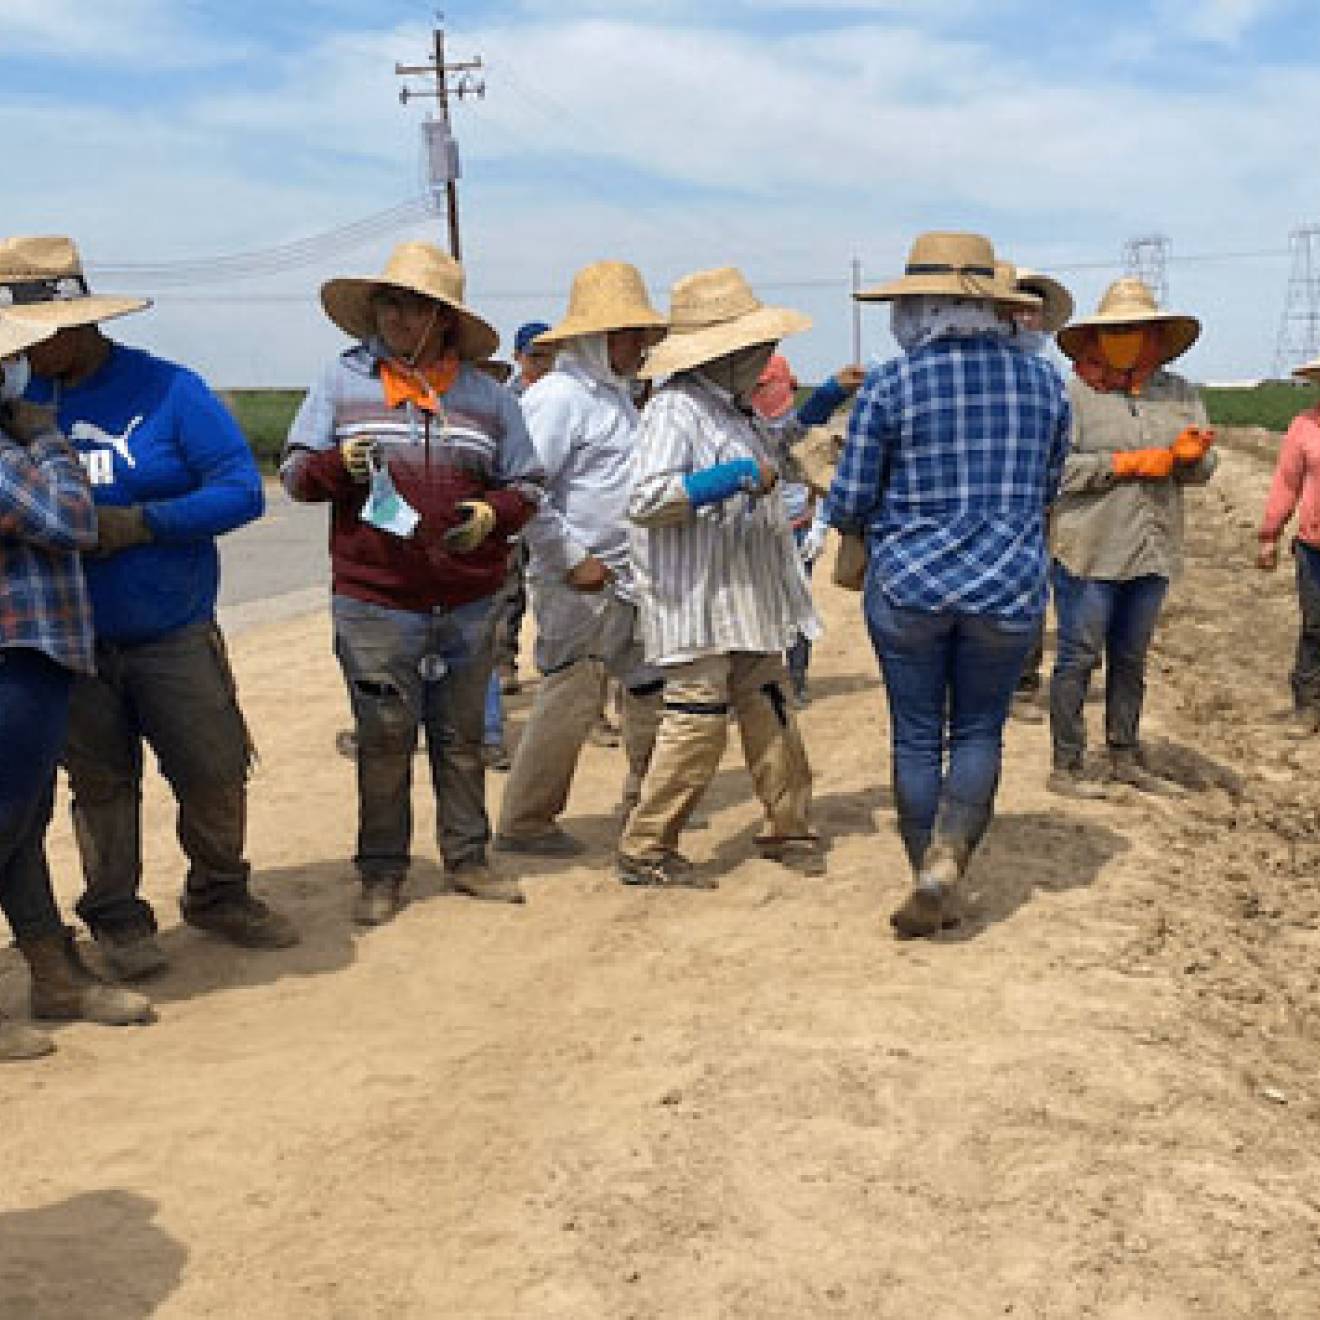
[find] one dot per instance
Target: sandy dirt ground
(1097, 1099)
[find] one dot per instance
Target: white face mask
(385, 507)
(15, 376)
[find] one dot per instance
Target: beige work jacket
(1103, 527)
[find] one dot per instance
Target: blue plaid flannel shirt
(954, 453)
(46, 518)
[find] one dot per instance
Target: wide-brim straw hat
(608, 295)
(1056, 302)
(1128, 303)
(713, 313)
(418, 268)
(950, 265)
(42, 282)
(18, 336)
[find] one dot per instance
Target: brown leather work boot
(379, 901)
(64, 990)
(479, 881)
(19, 1041)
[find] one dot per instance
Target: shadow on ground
(96, 1256)
(1032, 852)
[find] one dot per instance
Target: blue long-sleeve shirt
(151, 432)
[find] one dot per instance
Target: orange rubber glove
(1192, 444)
(1143, 464)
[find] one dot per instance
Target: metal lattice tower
(1299, 327)
(1147, 258)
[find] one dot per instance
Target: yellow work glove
(356, 454)
(478, 523)
(1143, 464)
(1192, 444)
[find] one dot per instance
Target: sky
(785, 137)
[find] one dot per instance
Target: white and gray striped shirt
(723, 578)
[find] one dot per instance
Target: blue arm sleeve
(820, 404)
(713, 484)
(228, 492)
(856, 492)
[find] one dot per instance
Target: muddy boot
(672, 871)
(930, 907)
(477, 880)
(243, 920)
(1302, 723)
(20, 1041)
(1125, 767)
(63, 990)
(1074, 784)
(801, 853)
(131, 954)
(1026, 707)
(379, 900)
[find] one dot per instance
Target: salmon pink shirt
(1296, 482)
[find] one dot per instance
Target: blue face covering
(385, 507)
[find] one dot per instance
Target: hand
(768, 478)
(25, 422)
(357, 454)
(1192, 444)
(478, 523)
(850, 378)
(1143, 464)
(1267, 556)
(591, 574)
(813, 543)
(118, 527)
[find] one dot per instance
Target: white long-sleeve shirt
(583, 431)
(723, 578)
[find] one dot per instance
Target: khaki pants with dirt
(694, 730)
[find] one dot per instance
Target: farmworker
(532, 359)
(170, 472)
(720, 586)
(46, 517)
(953, 453)
(427, 468)
(583, 423)
(1034, 329)
(774, 401)
(1296, 489)
(1140, 436)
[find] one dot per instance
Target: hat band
(24, 293)
(940, 268)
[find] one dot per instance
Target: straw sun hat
(1056, 301)
(712, 313)
(950, 265)
(609, 295)
(418, 268)
(1126, 304)
(42, 283)
(17, 336)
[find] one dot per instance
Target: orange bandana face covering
(1097, 363)
(422, 386)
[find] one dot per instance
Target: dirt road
(1099, 1099)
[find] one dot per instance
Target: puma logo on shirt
(99, 464)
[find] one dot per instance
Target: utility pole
(1148, 259)
(452, 81)
(1299, 328)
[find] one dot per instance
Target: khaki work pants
(566, 706)
(693, 732)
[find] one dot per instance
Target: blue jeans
(34, 716)
(950, 678)
(1305, 676)
(1099, 618)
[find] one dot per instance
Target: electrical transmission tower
(1299, 328)
(452, 81)
(1148, 259)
